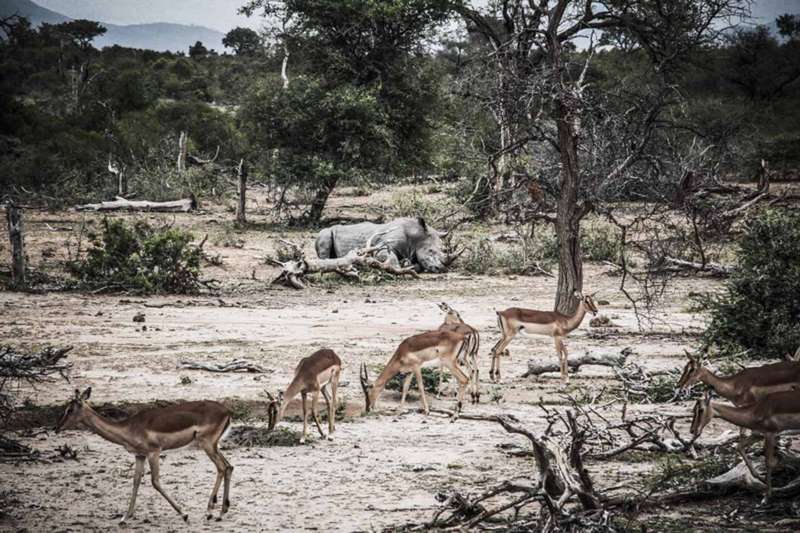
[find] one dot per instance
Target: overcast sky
(222, 14)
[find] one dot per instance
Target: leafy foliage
(141, 258)
(759, 310)
(431, 377)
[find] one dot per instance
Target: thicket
(758, 312)
(140, 258)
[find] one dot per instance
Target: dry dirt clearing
(381, 470)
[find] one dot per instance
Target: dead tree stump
(15, 234)
(241, 217)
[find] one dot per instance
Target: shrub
(601, 242)
(417, 203)
(759, 310)
(431, 377)
(141, 258)
(485, 257)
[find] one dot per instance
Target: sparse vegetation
(140, 258)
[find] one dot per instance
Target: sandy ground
(379, 471)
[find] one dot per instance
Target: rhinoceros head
(430, 249)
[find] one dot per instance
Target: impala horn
(272, 412)
(366, 386)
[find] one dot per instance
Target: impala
(746, 386)
(549, 323)
(445, 346)
(152, 431)
(454, 322)
(312, 374)
(769, 415)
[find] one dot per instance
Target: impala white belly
(325, 376)
(536, 329)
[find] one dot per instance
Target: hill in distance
(154, 36)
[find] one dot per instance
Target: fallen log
(293, 272)
(536, 368)
(236, 365)
(712, 268)
(121, 204)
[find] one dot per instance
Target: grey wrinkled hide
(408, 239)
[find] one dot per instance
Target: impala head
(587, 301)
(691, 372)
(702, 415)
(366, 386)
(74, 410)
(451, 316)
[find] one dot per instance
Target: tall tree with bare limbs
(553, 113)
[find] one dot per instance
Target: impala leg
(137, 479)
(315, 412)
(332, 404)
(223, 472)
(561, 350)
(406, 386)
(476, 388)
(497, 351)
(769, 452)
(463, 381)
(305, 417)
(226, 496)
(421, 385)
(745, 442)
(154, 461)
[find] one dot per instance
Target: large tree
(243, 41)
(535, 50)
(357, 48)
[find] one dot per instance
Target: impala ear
(86, 394)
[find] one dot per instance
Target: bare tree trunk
(15, 233)
(183, 148)
(284, 66)
(568, 217)
(241, 217)
(122, 183)
(320, 199)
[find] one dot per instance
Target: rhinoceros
(405, 239)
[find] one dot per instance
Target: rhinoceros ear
(422, 223)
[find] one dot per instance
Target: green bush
(759, 310)
(431, 377)
(141, 258)
(416, 203)
(600, 242)
(486, 257)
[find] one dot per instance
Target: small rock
(138, 317)
(335, 311)
(603, 302)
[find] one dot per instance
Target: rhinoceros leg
(324, 244)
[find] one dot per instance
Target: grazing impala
(769, 415)
(746, 386)
(454, 322)
(152, 431)
(743, 388)
(549, 323)
(411, 355)
(312, 374)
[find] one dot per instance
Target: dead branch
(121, 204)
(237, 365)
(536, 369)
(712, 268)
(293, 272)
